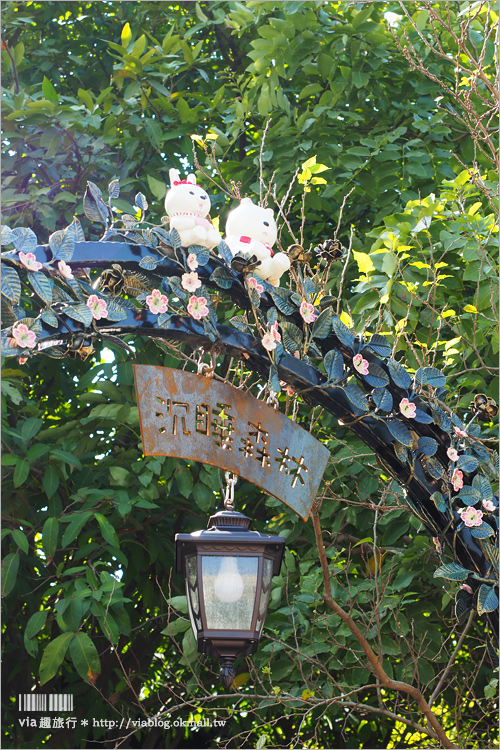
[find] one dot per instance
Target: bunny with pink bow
(187, 206)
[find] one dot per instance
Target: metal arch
(304, 378)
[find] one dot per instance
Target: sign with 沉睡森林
(192, 416)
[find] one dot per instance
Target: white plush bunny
(187, 205)
(252, 230)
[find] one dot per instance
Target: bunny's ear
(174, 176)
(191, 178)
(246, 202)
(269, 212)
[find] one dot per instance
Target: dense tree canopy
(373, 122)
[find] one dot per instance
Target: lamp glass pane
(229, 588)
(192, 593)
(264, 593)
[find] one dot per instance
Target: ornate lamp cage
(228, 570)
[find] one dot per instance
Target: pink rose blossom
(460, 433)
(23, 336)
(157, 302)
(466, 587)
(407, 409)
(488, 505)
(268, 342)
(65, 270)
(275, 333)
(471, 516)
(97, 307)
(197, 307)
(360, 364)
(254, 284)
(287, 388)
(190, 281)
(30, 262)
(192, 262)
(452, 454)
(308, 312)
(457, 480)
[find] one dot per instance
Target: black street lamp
(228, 570)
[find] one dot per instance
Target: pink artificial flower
(360, 364)
(308, 312)
(23, 336)
(466, 587)
(254, 284)
(488, 505)
(97, 307)
(457, 480)
(452, 454)
(460, 433)
(197, 307)
(287, 388)
(65, 270)
(192, 262)
(157, 302)
(275, 333)
(437, 545)
(407, 409)
(30, 262)
(471, 516)
(23, 360)
(268, 342)
(190, 281)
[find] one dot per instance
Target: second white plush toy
(187, 205)
(252, 230)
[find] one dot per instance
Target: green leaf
(452, 572)
(21, 473)
(53, 656)
(107, 530)
(179, 603)
(65, 457)
(50, 535)
(21, 540)
(176, 627)
(85, 657)
(10, 283)
(74, 527)
(30, 428)
(400, 432)
(49, 91)
(50, 480)
(10, 566)
(157, 187)
(36, 623)
(398, 374)
(487, 600)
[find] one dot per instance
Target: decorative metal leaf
(483, 531)
(222, 277)
(62, 243)
(79, 312)
(7, 314)
(272, 315)
(382, 398)
(243, 264)
(441, 418)
(225, 252)
(254, 297)
(376, 377)
(356, 396)
(487, 600)
(164, 320)
(463, 605)
(427, 445)
(292, 336)
(5, 235)
(434, 467)
(162, 235)
(430, 376)
(322, 325)
(202, 254)
(49, 317)
(281, 298)
(401, 452)
(175, 239)
(326, 301)
(24, 239)
(240, 323)
(398, 374)
(95, 208)
(467, 463)
(149, 263)
(439, 502)
(114, 189)
(452, 572)
(379, 345)
(42, 285)
(11, 283)
(274, 381)
(334, 365)
(469, 495)
(94, 191)
(423, 417)
(115, 311)
(141, 202)
(400, 432)
(483, 486)
(343, 333)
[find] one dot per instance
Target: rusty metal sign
(193, 416)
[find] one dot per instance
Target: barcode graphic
(44, 702)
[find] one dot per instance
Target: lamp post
(228, 570)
